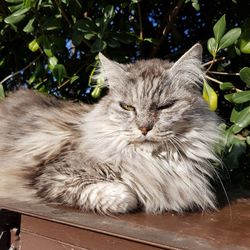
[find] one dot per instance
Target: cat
(147, 145)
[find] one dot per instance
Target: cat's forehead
(153, 68)
(147, 80)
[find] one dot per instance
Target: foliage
(237, 133)
(52, 46)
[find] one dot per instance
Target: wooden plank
(38, 242)
(52, 235)
(229, 228)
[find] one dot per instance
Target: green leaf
(237, 50)
(52, 23)
(73, 78)
(212, 46)
(108, 13)
(98, 45)
(81, 28)
(2, 61)
(90, 36)
(245, 75)
(59, 72)
(48, 52)
(44, 41)
(14, 8)
(39, 71)
(229, 38)
(96, 92)
(32, 79)
(248, 140)
(210, 96)
(33, 45)
(2, 95)
(113, 43)
(244, 42)
(219, 28)
(29, 26)
(99, 22)
(242, 120)
(14, 1)
(14, 19)
(234, 115)
(27, 3)
(45, 4)
(236, 129)
(228, 97)
(227, 135)
(226, 86)
(86, 25)
(21, 11)
(196, 6)
(151, 40)
(237, 149)
(241, 97)
(53, 61)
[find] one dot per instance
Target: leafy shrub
(236, 130)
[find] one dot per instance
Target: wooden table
(44, 227)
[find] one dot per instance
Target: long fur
(96, 157)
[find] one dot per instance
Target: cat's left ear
(110, 70)
(188, 68)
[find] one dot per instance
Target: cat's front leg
(108, 198)
(84, 188)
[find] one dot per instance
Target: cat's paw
(108, 198)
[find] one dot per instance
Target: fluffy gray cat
(146, 145)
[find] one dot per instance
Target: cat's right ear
(188, 69)
(111, 71)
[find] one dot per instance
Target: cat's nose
(145, 130)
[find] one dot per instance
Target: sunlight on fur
(147, 145)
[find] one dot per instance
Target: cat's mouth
(143, 141)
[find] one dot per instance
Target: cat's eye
(167, 105)
(127, 107)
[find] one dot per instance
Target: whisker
(227, 197)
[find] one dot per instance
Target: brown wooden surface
(53, 235)
(229, 228)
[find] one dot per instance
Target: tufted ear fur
(188, 69)
(111, 71)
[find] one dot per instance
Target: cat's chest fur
(163, 180)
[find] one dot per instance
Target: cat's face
(154, 101)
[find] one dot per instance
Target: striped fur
(97, 158)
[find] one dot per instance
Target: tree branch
(214, 61)
(223, 73)
(219, 82)
(21, 70)
(68, 80)
(171, 17)
(63, 13)
(140, 20)
(213, 79)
